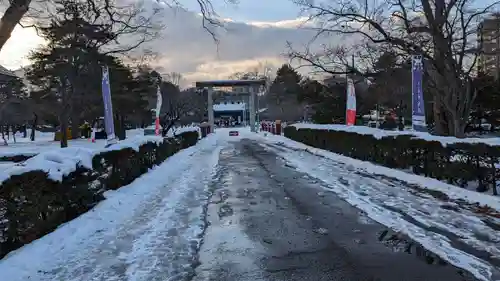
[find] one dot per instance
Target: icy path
(148, 230)
(454, 229)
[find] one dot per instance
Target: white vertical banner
(108, 107)
(418, 109)
(158, 109)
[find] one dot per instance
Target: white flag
(158, 102)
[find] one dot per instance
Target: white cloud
(224, 69)
(15, 52)
(189, 49)
(293, 23)
(186, 47)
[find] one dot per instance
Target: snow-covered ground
(148, 230)
(451, 226)
(54, 158)
(45, 141)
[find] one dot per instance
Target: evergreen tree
(68, 72)
(285, 87)
(128, 103)
(61, 69)
(146, 81)
(327, 101)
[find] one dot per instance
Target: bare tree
(176, 105)
(442, 32)
(13, 106)
(174, 78)
(12, 16)
(144, 59)
(261, 71)
(17, 10)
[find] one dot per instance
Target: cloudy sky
(255, 33)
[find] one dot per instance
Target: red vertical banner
(157, 126)
(351, 104)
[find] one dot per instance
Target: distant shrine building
(231, 106)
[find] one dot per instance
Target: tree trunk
(73, 97)
(11, 18)
(33, 127)
(120, 127)
(14, 133)
(64, 115)
(64, 132)
(440, 127)
(457, 126)
(3, 136)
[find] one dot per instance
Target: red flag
(351, 104)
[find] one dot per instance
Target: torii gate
(252, 85)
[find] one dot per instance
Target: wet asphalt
(267, 221)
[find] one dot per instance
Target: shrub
(459, 164)
(188, 138)
(32, 204)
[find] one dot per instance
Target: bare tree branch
(443, 32)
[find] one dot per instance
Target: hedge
(461, 164)
(32, 204)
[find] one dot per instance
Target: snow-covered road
(148, 230)
(270, 222)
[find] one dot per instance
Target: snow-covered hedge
(378, 133)
(59, 185)
(462, 162)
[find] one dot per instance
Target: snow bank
(452, 191)
(45, 142)
(378, 133)
(180, 130)
(60, 162)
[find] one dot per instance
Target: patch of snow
(60, 162)
(6, 164)
(179, 130)
(452, 191)
(45, 142)
(148, 230)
